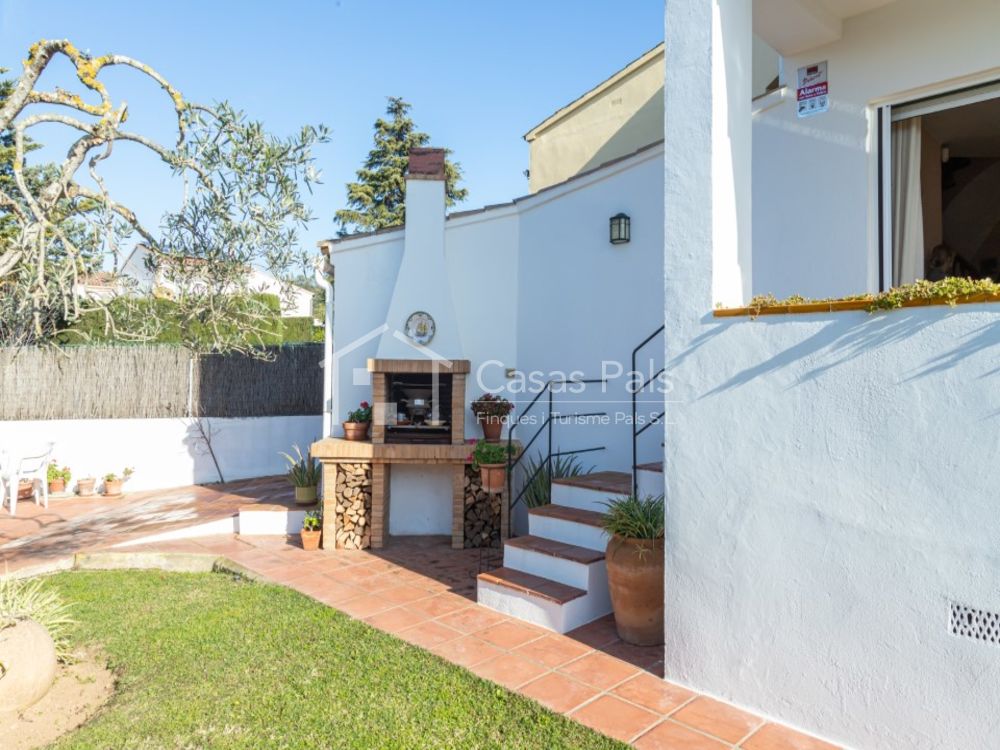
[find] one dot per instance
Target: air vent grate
(978, 624)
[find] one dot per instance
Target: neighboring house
(296, 301)
(615, 118)
(831, 525)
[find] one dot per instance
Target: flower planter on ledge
(494, 477)
(356, 430)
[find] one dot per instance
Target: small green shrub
(490, 453)
(362, 414)
(313, 521)
(297, 330)
(634, 517)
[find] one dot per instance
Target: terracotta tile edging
(852, 305)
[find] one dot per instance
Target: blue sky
(479, 75)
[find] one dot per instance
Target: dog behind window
(946, 261)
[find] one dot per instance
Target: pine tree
(378, 198)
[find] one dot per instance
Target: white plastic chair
(34, 468)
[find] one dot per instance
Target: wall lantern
(621, 229)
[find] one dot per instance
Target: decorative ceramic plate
(420, 328)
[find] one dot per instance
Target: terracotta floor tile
(672, 736)
(365, 605)
(553, 650)
(467, 651)
(615, 718)
(472, 619)
(558, 692)
(428, 634)
(392, 620)
(404, 594)
(335, 593)
(600, 670)
(777, 737)
(717, 719)
(641, 656)
(596, 634)
(509, 670)
(438, 605)
(653, 693)
(510, 634)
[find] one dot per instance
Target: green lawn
(208, 661)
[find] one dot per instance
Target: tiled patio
(422, 591)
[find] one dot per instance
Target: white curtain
(907, 203)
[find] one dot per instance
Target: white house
(831, 532)
(296, 301)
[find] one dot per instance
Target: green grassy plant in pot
(303, 473)
(312, 529)
(491, 461)
(358, 422)
(635, 567)
(491, 412)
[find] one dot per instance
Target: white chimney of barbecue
(423, 291)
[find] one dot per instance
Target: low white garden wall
(165, 452)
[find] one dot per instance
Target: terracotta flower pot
(356, 430)
(493, 477)
(85, 487)
(24, 489)
(635, 579)
(492, 428)
(112, 487)
(310, 540)
(305, 495)
(57, 485)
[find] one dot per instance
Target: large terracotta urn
(635, 579)
(28, 656)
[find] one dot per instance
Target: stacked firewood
(354, 506)
(482, 513)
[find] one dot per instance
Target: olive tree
(242, 209)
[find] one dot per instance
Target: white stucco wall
(584, 300)
(420, 500)
(814, 180)
(164, 452)
(832, 489)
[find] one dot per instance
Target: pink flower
(364, 404)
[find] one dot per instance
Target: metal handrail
(552, 417)
(635, 409)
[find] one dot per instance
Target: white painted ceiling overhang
(795, 26)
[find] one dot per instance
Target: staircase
(555, 576)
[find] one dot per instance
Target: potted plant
(358, 422)
(58, 478)
(491, 411)
(490, 459)
(113, 483)
(304, 474)
(85, 486)
(635, 567)
(312, 529)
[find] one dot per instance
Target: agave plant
(27, 599)
(539, 490)
(304, 471)
(633, 517)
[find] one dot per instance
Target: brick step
(552, 548)
(531, 585)
(583, 528)
(652, 466)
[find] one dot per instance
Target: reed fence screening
(141, 382)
